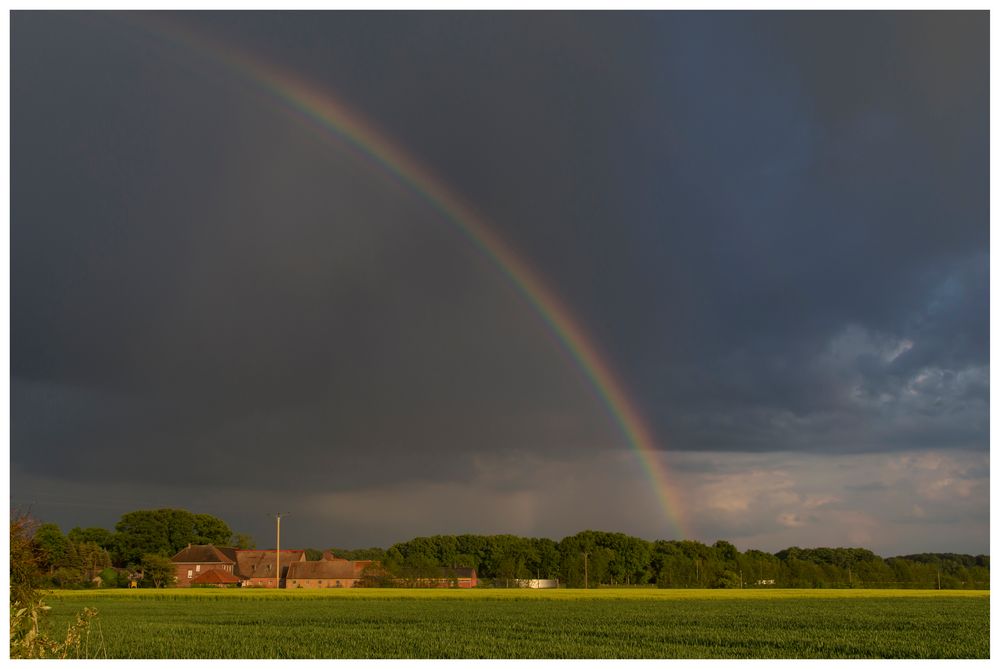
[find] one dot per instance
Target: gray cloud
(912, 501)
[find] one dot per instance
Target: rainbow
(333, 119)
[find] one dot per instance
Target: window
(189, 573)
(197, 567)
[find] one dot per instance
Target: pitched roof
(326, 569)
(228, 552)
(214, 577)
(202, 553)
(260, 564)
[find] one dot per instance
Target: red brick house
(258, 568)
(195, 560)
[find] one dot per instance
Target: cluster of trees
(143, 542)
(591, 559)
(140, 548)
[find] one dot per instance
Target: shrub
(109, 578)
(28, 637)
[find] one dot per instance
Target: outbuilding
(324, 574)
(217, 578)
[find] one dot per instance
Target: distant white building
(539, 583)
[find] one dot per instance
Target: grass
(605, 623)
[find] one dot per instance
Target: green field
(604, 623)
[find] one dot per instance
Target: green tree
(210, 530)
(142, 533)
(164, 532)
(727, 579)
(546, 563)
(91, 558)
(109, 578)
(67, 577)
(630, 564)
(158, 570)
(52, 546)
(418, 570)
(475, 546)
(93, 535)
(243, 541)
(726, 552)
(359, 553)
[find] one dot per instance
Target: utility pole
(277, 552)
(586, 577)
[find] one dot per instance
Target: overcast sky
(774, 226)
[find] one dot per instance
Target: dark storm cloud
(722, 197)
(256, 292)
(774, 225)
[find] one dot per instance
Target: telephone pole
(277, 552)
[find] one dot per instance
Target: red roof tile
(214, 577)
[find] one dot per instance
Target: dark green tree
(243, 541)
(158, 570)
(210, 530)
(53, 548)
(165, 532)
(93, 535)
(359, 553)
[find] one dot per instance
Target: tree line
(143, 541)
(593, 559)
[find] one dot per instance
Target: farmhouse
(258, 568)
(221, 566)
(194, 560)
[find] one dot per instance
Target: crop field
(604, 623)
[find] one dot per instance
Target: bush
(727, 579)
(28, 637)
(109, 578)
